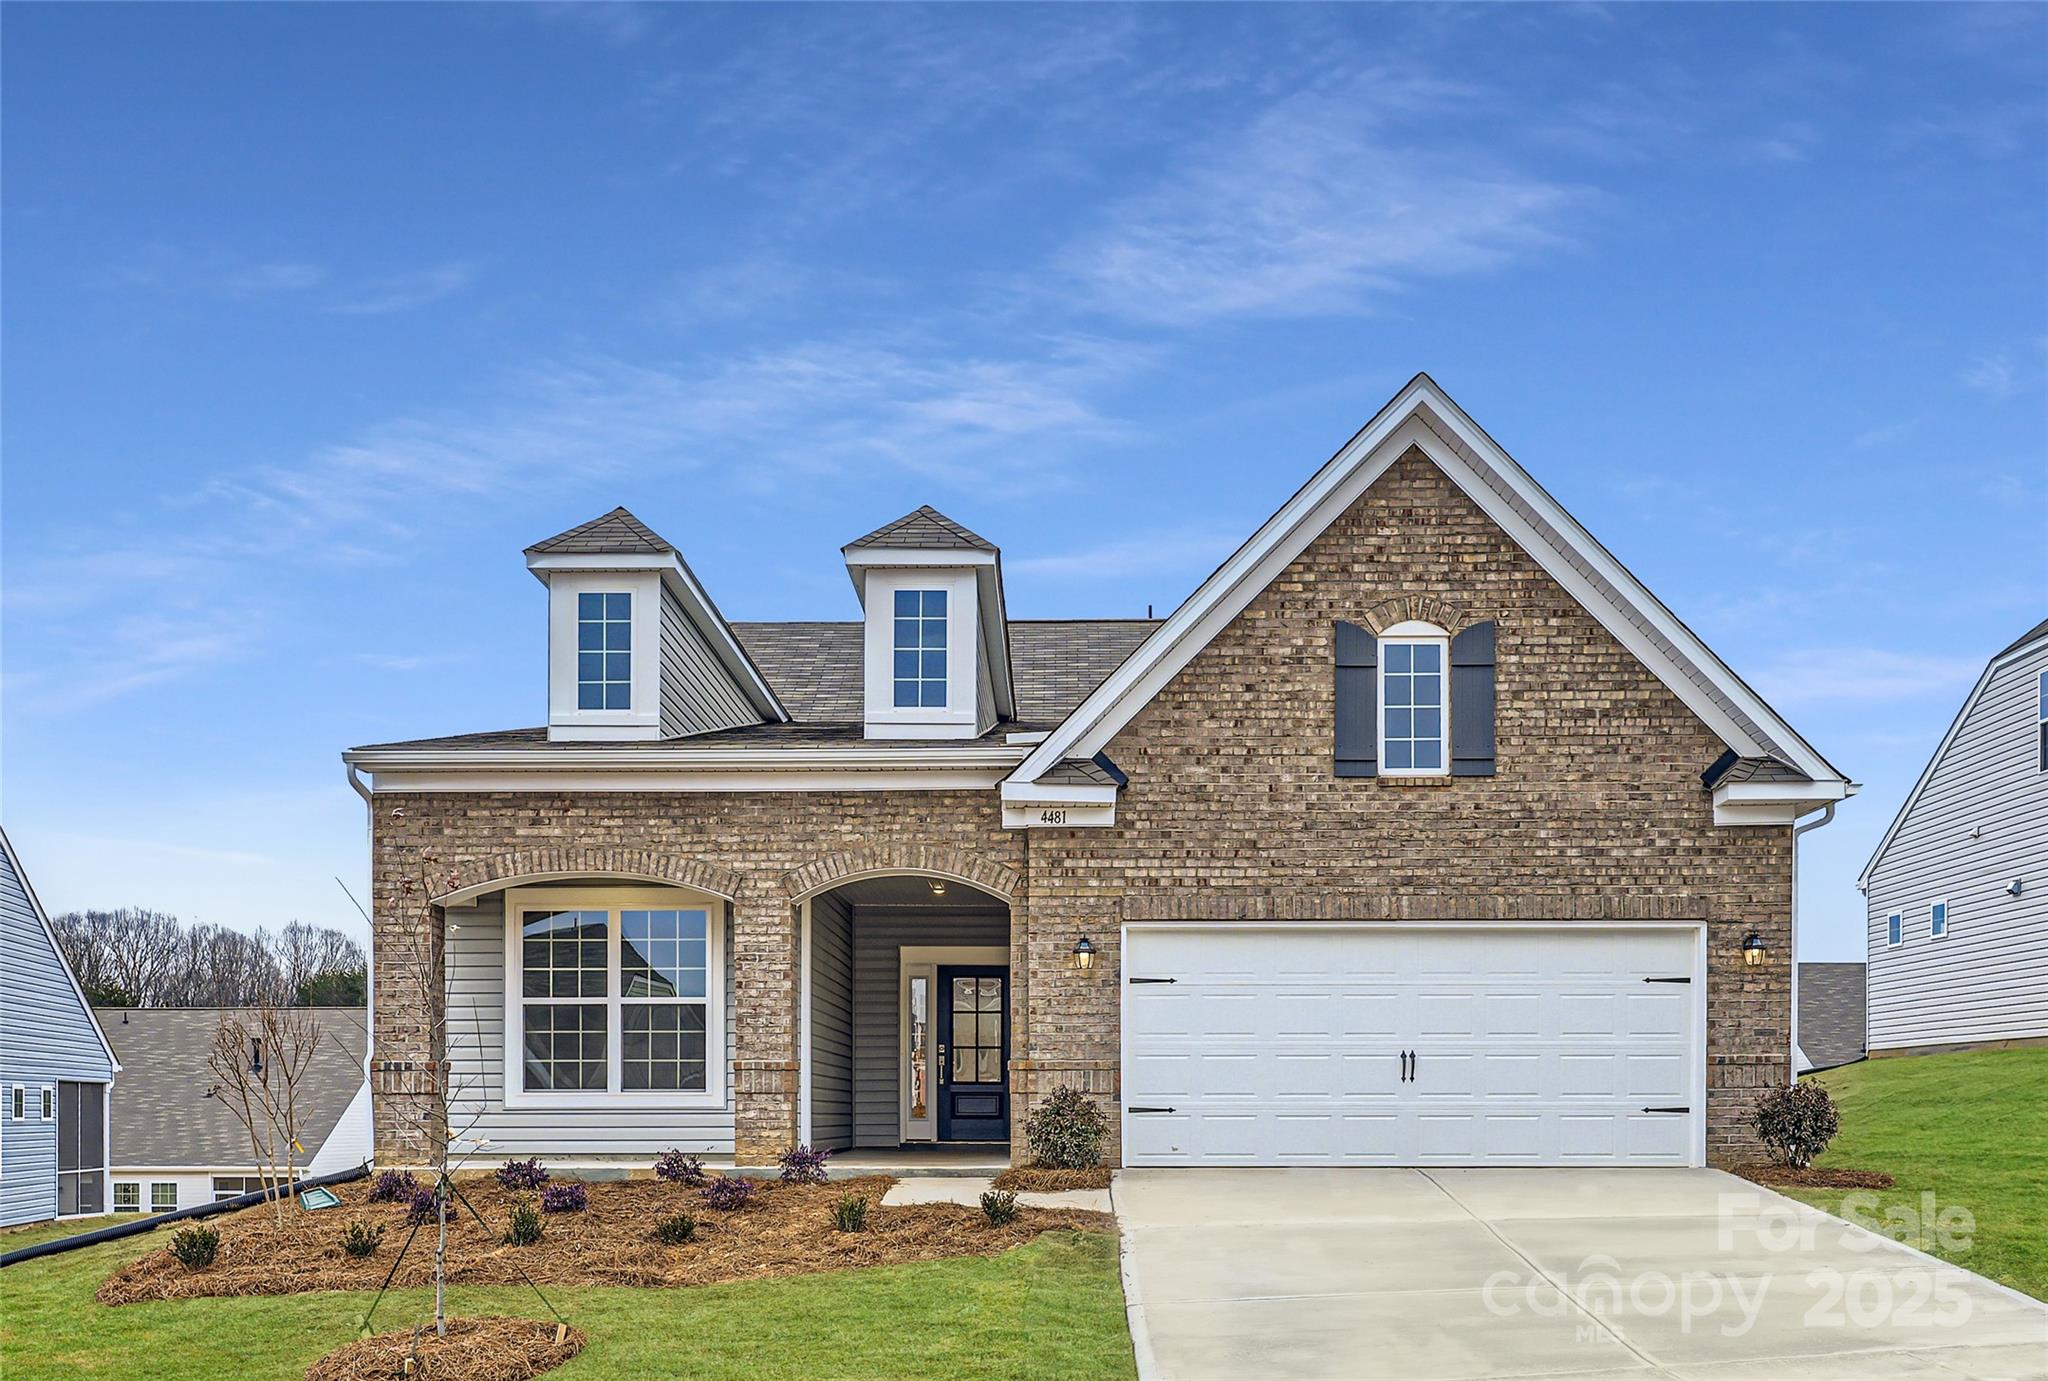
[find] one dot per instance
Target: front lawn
(1969, 1129)
(14, 1239)
(1052, 1308)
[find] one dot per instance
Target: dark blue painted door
(974, 1052)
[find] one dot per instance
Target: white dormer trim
(1423, 416)
(992, 624)
(959, 717)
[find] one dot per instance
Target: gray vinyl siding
(46, 1037)
(877, 1029)
(698, 695)
(476, 1054)
(1979, 822)
(831, 1023)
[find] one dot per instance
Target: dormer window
(1415, 701)
(604, 651)
(920, 649)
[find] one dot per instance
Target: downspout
(370, 952)
(1827, 814)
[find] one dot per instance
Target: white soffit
(1423, 416)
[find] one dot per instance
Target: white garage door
(1403, 1045)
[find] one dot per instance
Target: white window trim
(956, 718)
(1894, 925)
(1413, 633)
(49, 1104)
(1932, 933)
(171, 1185)
(643, 718)
(522, 900)
(17, 1107)
(114, 1196)
(2041, 718)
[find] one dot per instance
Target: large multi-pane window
(615, 998)
(920, 649)
(604, 651)
(1413, 708)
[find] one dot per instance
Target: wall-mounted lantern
(1754, 951)
(1083, 954)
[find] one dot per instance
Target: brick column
(408, 1069)
(765, 1070)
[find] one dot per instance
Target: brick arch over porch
(475, 877)
(929, 859)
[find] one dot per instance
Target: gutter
(984, 757)
(151, 1224)
(355, 780)
(1826, 815)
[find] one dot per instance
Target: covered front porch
(906, 1036)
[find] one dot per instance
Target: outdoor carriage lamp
(1754, 951)
(1083, 955)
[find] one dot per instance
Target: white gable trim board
(1372, 1044)
(1423, 417)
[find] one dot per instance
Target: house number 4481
(1052, 817)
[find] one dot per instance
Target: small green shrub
(360, 1239)
(1797, 1122)
(524, 1229)
(675, 1230)
(195, 1247)
(999, 1206)
(1066, 1131)
(850, 1214)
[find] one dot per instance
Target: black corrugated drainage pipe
(120, 1230)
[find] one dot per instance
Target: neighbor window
(163, 1197)
(1937, 919)
(604, 652)
(19, 1110)
(127, 1197)
(1414, 701)
(225, 1187)
(1894, 928)
(614, 998)
(920, 649)
(49, 1104)
(2041, 706)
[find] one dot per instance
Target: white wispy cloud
(1318, 206)
(1992, 374)
(1173, 551)
(217, 273)
(405, 291)
(1862, 674)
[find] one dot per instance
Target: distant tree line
(138, 958)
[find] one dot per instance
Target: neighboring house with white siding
(1958, 887)
(55, 1068)
(175, 1144)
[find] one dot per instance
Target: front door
(974, 1052)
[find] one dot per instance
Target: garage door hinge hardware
(1148, 1109)
(1151, 980)
(1667, 1109)
(1687, 979)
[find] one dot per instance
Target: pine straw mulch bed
(1037, 1179)
(787, 1230)
(1788, 1177)
(493, 1348)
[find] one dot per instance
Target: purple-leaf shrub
(677, 1168)
(422, 1209)
(804, 1165)
(570, 1196)
(522, 1174)
(728, 1193)
(394, 1186)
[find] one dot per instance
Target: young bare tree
(259, 1060)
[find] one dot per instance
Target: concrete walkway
(1264, 1275)
(968, 1189)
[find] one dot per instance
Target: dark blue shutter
(1472, 702)
(1358, 694)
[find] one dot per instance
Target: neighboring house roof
(1831, 1014)
(816, 670)
(160, 1114)
(1423, 416)
(617, 533)
(18, 896)
(923, 527)
(2024, 643)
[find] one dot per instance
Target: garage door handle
(1148, 1109)
(1151, 980)
(1667, 1110)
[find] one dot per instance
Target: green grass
(14, 1239)
(1971, 1129)
(1050, 1309)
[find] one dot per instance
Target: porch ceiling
(912, 891)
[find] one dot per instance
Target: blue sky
(316, 315)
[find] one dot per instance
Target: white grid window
(2041, 706)
(1894, 929)
(920, 649)
(163, 1197)
(127, 1197)
(19, 1107)
(604, 651)
(565, 955)
(49, 1103)
(1414, 705)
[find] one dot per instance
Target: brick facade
(1232, 812)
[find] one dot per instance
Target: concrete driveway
(1262, 1275)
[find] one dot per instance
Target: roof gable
(924, 526)
(617, 533)
(1423, 417)
(33, 956)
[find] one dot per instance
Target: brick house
(1421, 833)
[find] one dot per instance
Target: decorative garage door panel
(1390, 1045)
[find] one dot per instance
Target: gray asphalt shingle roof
(617, 533)
(2032, 633)
(1831, 1013)
(160, 1114)
(925, 527)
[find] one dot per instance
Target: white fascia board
(797, 783)
(1048, 793)
(974, 767)
(1420, 415)
(682, 582)
(1774, 803)
(1955, 727)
